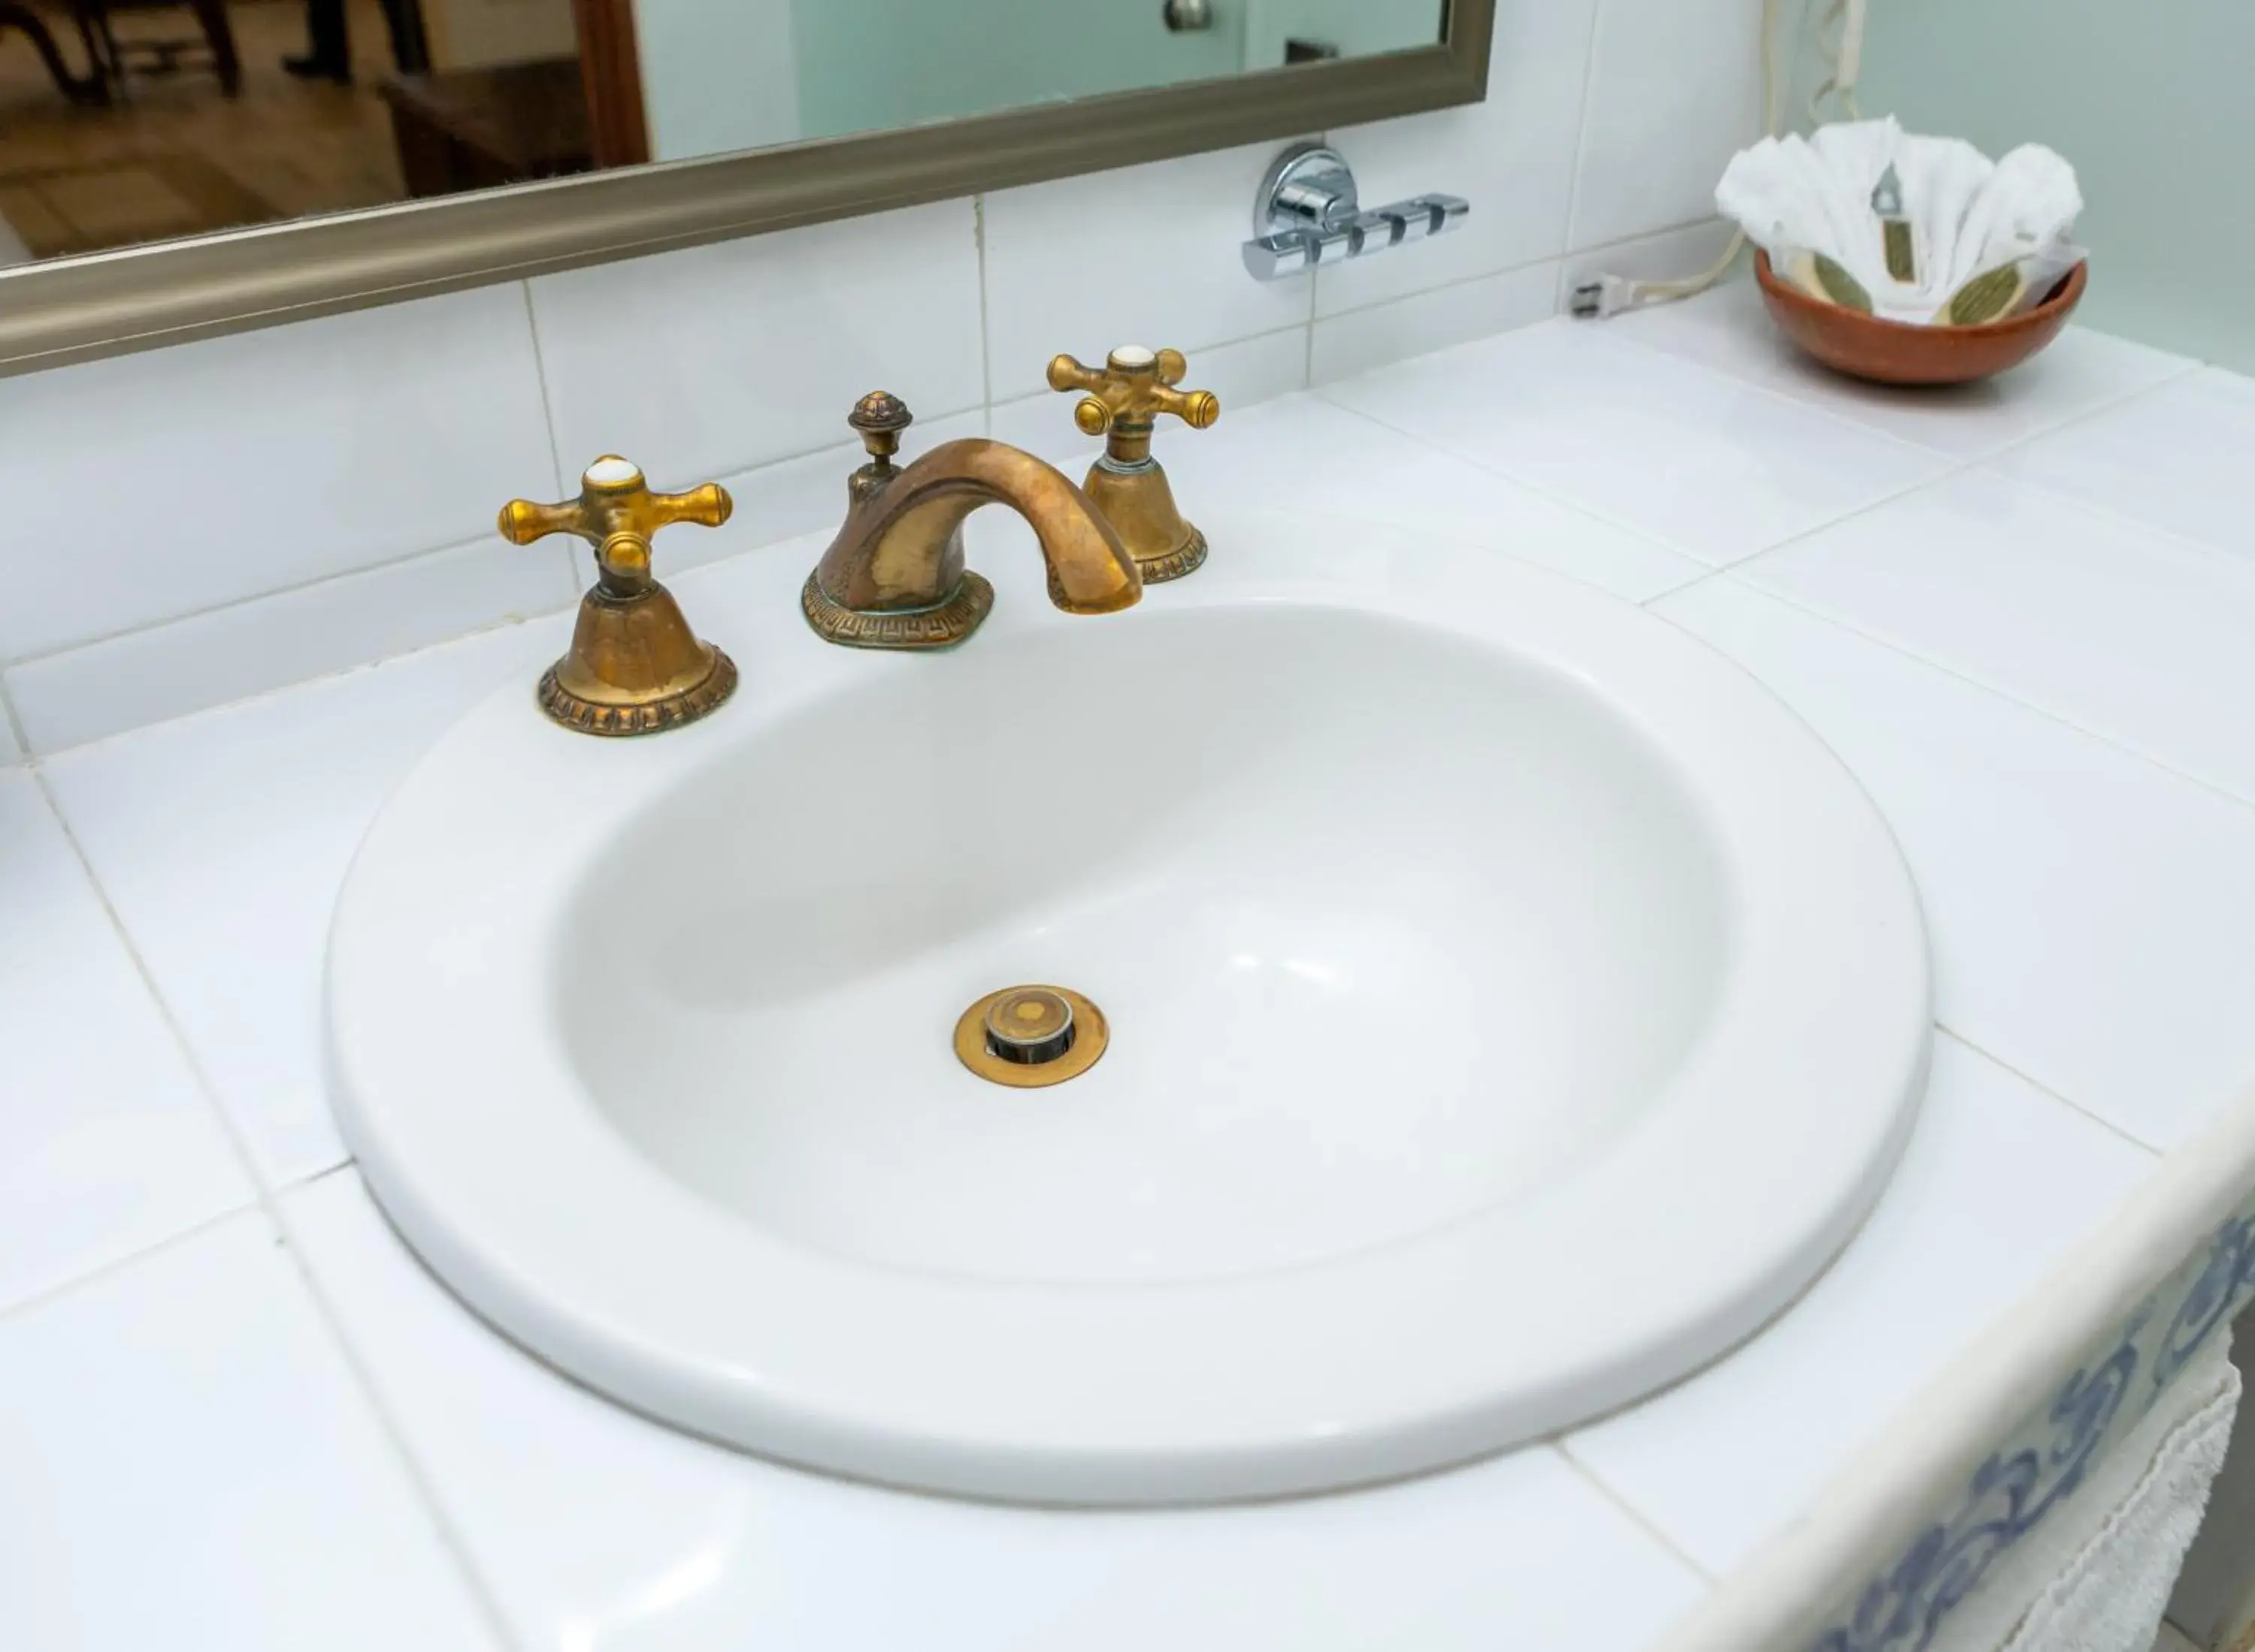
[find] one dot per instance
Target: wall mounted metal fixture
(1308, 214)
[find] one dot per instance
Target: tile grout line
(1642, 1521)
(102, 1270)
(2107, 514)
(1704, 576)
(268, 1202)
(1953, 468)
(746, 472)
(2105, 404)
(330, 675)
(1308, 343)
(1705, 221)
(1449, 285)
(2060, 719)
(1453, 283)
(484, 1601)
(14, 721)
(1893, 496)
(1027, 397)
(1579, 506)
(985, 332)
(540, 378)
(1561, 258)
(1958, 464)
(2156, 1154)
(1959, 471)
(1582, 144)
(1722, 375)
(295, 588)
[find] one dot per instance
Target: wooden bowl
(1899, 353)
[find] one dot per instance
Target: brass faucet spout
(894, 577)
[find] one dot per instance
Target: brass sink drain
(1029, 1036)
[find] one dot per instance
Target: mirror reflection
(129, 121)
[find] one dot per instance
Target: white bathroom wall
(717, 77)
(205, 523)
(2148, 102)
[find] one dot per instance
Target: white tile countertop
(234, 1413)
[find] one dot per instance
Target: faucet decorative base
(594, 717)
(941, 626)
(635, 668)
(1175, 564)
(1137, 501)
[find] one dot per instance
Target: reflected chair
(114, 60)
(90, 90)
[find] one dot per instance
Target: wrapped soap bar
(2016, 285)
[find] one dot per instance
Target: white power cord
(1609, 295)
(1847, 58)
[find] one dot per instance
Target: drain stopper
(1030, 1025)
(1031, 1036)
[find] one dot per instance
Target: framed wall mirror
(173, 168)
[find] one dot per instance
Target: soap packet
(1998, 293)
(2011, 288)
(1821, 277)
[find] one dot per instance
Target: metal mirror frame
(138, 298)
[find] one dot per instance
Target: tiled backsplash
(203, 523)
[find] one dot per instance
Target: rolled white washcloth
(1967, 215)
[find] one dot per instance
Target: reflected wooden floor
(180, 158)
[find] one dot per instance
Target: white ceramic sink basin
(1512, 1006)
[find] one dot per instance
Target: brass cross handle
(1134, 388)
(616, 513)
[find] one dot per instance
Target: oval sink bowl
(1511, 1006)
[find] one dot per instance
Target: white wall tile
(151, 486)
(724, 361)
(230, 653)
(595, 1527)
(1675, 91)
(222, 839)
(2138, 636)
(2176, 457)
(1344, 468)
(10, 752)
(1716, 468)
(107, 1145)
(699, 363)
(1360, 340)
(2092, 917)
(1512, 157)
(1729, 329)
(1048, 289)
(1242, 375)
(187, 1462)
(390, 433)
(1723, 1460)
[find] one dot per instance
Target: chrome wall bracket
(1308, 214)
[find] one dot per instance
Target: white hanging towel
(2096, 1577)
